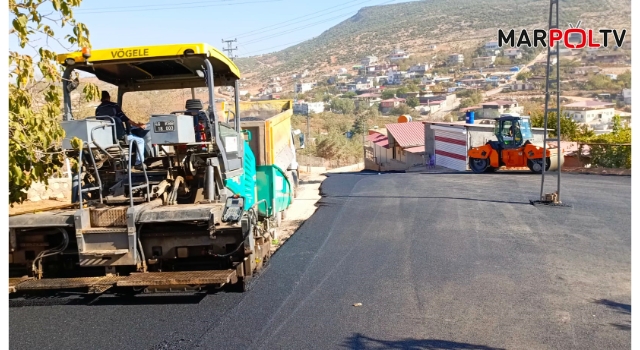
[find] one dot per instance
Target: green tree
(502, 61)
(360, 124)
(402, 91)
(34, 104)
(388, 93)
(473, 97)
(342, 105)
(625, 79)
(413, 102)
(611, 150)
(412, 87)
(524, 75)
(403, 109)
(600, 82)
(570, 130)
(349, 94)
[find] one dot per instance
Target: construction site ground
(400, 261)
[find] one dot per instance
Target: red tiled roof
(569, 148)
(417, 149)
(409, 134)
(369, 94)
(379, 139)
(472, 108)
(394, 100)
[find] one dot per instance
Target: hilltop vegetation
(453, 25)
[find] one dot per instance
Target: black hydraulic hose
(244, 238)
(36, 266)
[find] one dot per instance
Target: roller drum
(553, 159)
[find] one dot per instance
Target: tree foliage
(603, 82)
(388, 93)
(342, 105)
(612, 150)
(524, 75)
(624, 79)
(473, 97)
(34, 104)
(413, 102)
(403, 109)
(349, 94)
(569, 129)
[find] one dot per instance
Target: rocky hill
(452, 25)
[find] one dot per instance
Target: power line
(181, 7)
(294, 42)
(299, 19)
(149, 6)
(273, 47)
(273, 35)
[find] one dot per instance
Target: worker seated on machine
(516, 134)
(195, 108)
(123, 126)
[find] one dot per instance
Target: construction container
(274, 190)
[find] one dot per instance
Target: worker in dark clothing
(123, 125)
(195, 108)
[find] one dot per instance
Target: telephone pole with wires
(552, 87)
(229, 49)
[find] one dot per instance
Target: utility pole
(308, 140)
(229, 49)
(550, 84)
(364, 149)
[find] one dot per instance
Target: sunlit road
(438, 261)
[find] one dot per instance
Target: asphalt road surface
(438, 261)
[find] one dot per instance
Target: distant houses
(398, 54)
(482, 61)
(455, 59)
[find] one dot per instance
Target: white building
(491, 45)
(513, 54)
(369, 60)
(302, 107)
(455, 59)
(590, 112)
(304, 87)
(626, 96)
(483, 61)
(420, 68)
(273, 88)
(398, 54)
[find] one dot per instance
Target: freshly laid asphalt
(438, 261)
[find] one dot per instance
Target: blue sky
(261, 26)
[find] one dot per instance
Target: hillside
(453, 25)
